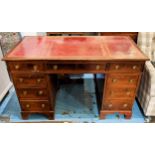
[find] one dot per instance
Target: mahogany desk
(35, 62)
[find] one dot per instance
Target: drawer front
(35, 105)
(120, 93)
(26, 66)
(113, 104)
(91, 67)
(121, 80)
(32, 93)
(24, 80)
(124, 67)
(75, 67)
(59, 67)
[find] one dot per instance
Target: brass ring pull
(21, 80)
(27, 106)
(24, 92)
(134, 67)
(43, 105)
(114, 80)
(40, 92)
(97, 67)
(55, 67)
(16, 67)
(110, 105)
(131, 80)
(38, 80)
(117, 67)
(128, 92)
(125, 105)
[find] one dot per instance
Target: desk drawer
(93, 67)
(120, 93)
(35, 105)
(121, 80)
(26, 66)
(125, 67)
(112, 104)
(32, 93)
(75, 67)
(59, 67)
(25, 80)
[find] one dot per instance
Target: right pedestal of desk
(120, 87)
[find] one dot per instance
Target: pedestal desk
(36, 61)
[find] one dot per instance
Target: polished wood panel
(30, 80)
(26, 66)
(125, 67)
(125, 93)
(117, 104)
(32, 93)
(75, 68)
(32, 105)
(122, 80)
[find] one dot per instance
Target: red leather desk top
(76, 48)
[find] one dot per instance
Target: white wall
(33, 34)
(5, 82)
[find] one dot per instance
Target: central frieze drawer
(93, 67)
(33, 93)
(75, 67)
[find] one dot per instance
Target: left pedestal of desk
(35, 89)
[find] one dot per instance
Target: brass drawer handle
(134, 67)
(27, 106)
(38, 80)
(117, 67)
(131, 81)
(110, 105)
(97, 67)
(114, 80)
(43, 105)
(16, 67)
(24, 92)
(125, 105)
(128, 93)
(35, 67)
(21, 80)
(40, 92)
(55, 67)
